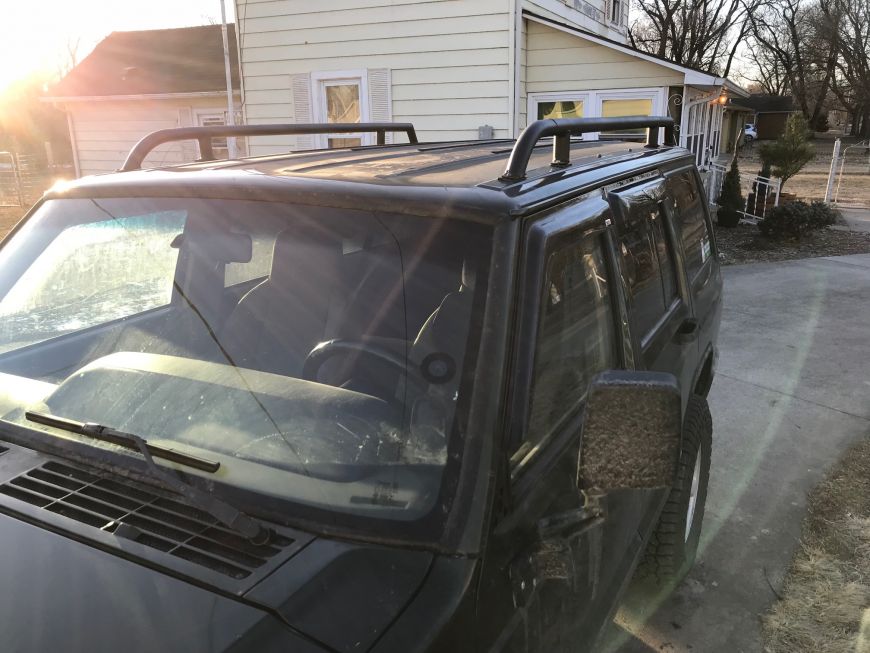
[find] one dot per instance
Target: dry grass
(826, 594)
(811, 182)
(9, 217)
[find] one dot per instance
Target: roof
(161, 61)
(761, 103)
(447, 180)
(694, 76)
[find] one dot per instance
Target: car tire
(673, 545)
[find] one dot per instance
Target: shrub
(791, 151)
(794, 220)
(730, 199)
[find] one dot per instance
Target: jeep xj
(423, 397)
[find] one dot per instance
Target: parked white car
(749, 133)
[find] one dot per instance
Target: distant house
(134, 83)
(771, 112)
(464, 70)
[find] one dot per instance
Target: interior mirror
(631, 431)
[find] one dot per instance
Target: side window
(576, 337)
(92, 274)
(649, 267)
(692, 223)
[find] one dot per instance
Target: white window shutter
(380, 97)
(300, 87)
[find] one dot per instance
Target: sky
(36, 33)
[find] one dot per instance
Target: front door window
(342, 105)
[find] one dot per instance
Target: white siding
(558, 61)
(591, 15)
(448, 60)
(105, 131)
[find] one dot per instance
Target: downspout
(513, 66)
(72, 141)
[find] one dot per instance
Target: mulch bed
(745, 244)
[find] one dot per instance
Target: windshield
(319, 355)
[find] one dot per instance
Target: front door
(545, 585)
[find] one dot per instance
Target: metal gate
(760, 193)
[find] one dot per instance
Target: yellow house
(460, 69)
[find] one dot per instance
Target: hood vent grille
(136, 514)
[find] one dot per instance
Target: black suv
(422, 397)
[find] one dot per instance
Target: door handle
(687, 331)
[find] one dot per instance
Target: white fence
(760, 193)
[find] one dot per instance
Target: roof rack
(205, 134)
(564, 128)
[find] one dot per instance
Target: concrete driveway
(792, 392)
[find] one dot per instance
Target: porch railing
(760, 193)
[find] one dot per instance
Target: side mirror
(631, 431)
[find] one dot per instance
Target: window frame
(625, 200)
(674, 177)
(593, 101)
(320, 81)
(543, 235)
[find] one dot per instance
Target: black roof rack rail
(564, 128)
(205, 134)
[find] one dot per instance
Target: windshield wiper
(226, 514)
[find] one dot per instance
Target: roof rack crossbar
(204, 135)
(563, 128)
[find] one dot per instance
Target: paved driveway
(791, 394)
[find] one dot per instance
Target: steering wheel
(331, 348)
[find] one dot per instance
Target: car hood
(71, 583)
(63, 595)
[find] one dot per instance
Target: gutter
(143, 96)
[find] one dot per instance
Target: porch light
(723, 99)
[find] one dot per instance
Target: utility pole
(231, 111)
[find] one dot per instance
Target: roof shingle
(180, 60)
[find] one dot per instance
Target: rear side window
(693, 225)
(576, 337)
(648, 266)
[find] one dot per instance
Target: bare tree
(848, 22)
(766, 73)
(796, 51)
(70, 58)
(698, 33)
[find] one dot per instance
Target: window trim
(593, 101)
(541, 237)
(319, 82)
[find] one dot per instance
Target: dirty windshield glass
(319, 355)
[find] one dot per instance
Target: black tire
(670, 553)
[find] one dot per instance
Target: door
(545, 580)
(650, 259)
(694, 234)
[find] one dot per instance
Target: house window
(560, 109)
(599, 104)
(616, 11)
(618, 107)
(218, 145)
(341, 97)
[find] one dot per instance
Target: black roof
(180, 60)
(761, 103)
(450, 180)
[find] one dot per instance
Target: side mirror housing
(631, 431)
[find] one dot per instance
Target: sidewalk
(857, 219)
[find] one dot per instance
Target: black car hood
(72, 586)
(63, 595)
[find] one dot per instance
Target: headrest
(306, 247)
(226, 247)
